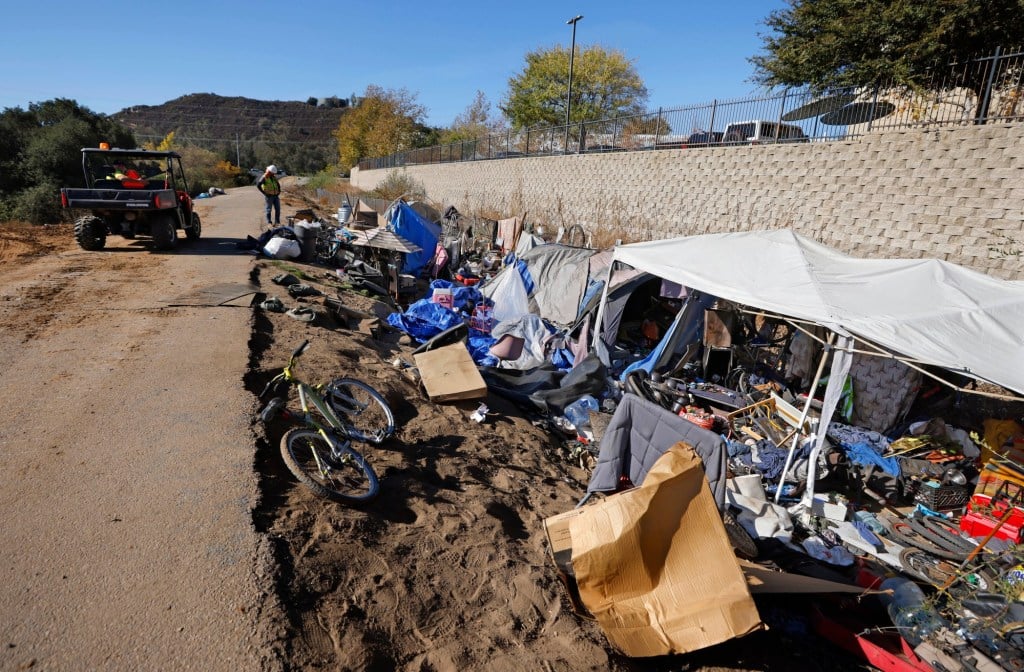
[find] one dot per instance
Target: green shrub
(325, 179)
(399, 183)
(39, 204)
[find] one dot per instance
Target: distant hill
(251, 132)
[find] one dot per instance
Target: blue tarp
(408, 224)
(462, 296)
(424, 319)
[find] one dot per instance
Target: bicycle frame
(310, 394)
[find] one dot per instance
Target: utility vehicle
(130, 192)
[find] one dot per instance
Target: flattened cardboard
(449, 374)
(654, 565)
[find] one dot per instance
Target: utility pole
(568, 97)
(238, 153)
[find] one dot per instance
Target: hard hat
(272, 170)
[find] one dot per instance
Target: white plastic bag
(282, 248)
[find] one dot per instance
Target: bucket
(344, 212)
(307, 241)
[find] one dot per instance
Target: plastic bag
(282, 248)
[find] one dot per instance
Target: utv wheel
(163, 232)
(90, 233)
(193, 231)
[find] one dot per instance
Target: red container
(979, 525)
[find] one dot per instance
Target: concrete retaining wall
(951, 193)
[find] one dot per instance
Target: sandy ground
(123, 562)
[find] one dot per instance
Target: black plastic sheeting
(546, 388)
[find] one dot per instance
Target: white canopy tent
(925, 309)
(928, 311)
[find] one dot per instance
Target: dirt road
(126, 467)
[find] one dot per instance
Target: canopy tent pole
(803, 415)
(601, 353)
(841, 360)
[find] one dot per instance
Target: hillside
(295, 134)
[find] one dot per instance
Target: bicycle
(319, 452)
(330, 241)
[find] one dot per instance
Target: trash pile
(760, 415)
(857, 425)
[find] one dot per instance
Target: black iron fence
(974, 91)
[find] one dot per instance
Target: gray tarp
(639, 432)
(560, 276)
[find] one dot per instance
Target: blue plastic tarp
(410, 225)
(424, 319)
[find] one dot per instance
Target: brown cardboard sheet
(449, 374)
(654, 565)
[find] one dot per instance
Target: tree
(475, 122)
(40, 151)
(828, 44)
(384, 122)
(604, 84)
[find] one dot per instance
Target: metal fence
(974, 91)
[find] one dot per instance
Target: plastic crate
(939, 497)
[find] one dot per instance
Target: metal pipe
(803, 415)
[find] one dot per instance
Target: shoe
(304, 314)
(286, 279)
(300, 289)
(273, 304)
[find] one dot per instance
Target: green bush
(325, 179)
(397, 184)
(39, 204)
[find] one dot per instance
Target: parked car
(704, 138)
(695, 139)
(759, 132)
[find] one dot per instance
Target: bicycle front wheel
(363, 409)
(343, 476)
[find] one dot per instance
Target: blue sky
(109, 56)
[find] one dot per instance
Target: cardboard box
(654, 566)
(443, 296)
(449, 374)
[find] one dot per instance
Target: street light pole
(568, 97)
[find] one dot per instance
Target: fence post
(657, 128)
(782, 111)
(874, 105)
(983, 112)
(711, 126)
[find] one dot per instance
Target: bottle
(578, 412)
(908, 610)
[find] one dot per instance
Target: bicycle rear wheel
(346, 477)
(362, 408)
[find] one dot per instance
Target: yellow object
(997, 434)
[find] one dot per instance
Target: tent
(411, 226)
(920, 311)
(925, 309)
(555, 278)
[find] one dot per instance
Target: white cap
(272, 169)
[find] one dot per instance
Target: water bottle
(907, 608)
(578, 411)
